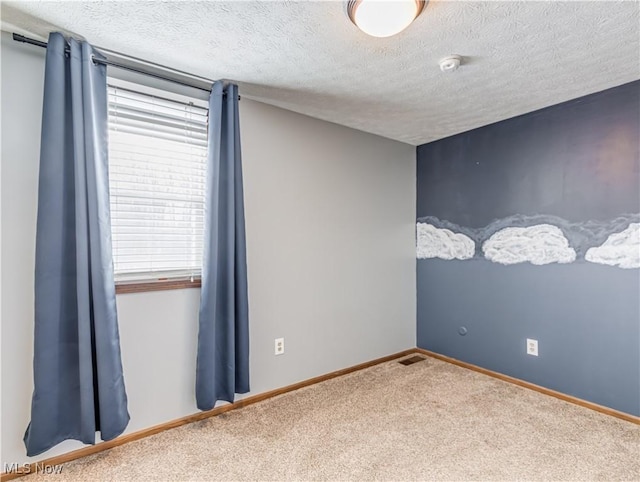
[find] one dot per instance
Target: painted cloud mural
(538, 239)
(620, 249)
(540, 244)
(434, 242)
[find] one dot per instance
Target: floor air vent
(411, 360)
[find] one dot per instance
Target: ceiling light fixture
(384, 18)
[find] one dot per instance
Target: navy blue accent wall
(578, 161)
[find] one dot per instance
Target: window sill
(146, 286)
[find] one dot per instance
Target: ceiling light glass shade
(383, 18)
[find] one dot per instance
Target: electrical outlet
(279, 346)
(532, 347)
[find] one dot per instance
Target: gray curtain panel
(223, 336)
(78, 383)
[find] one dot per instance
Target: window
(157, 169)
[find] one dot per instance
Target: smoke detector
(450, 63)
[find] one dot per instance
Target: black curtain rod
(39, 43)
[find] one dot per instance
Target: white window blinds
(157, 168)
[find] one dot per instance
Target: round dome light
(384, 18)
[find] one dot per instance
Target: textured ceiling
(309, 58)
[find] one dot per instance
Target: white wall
(330, 215)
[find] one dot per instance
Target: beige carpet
(427, 421)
